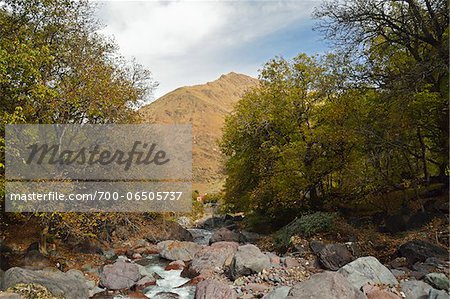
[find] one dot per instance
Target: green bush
(305, 226)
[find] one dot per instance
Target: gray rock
(77, 273)
(67, 285)
(316, 246)
(120, 275)
(95, 291)
(224, 234)
(438, 280)
(210, 288)
(218, 255)
(177, 250)
(419, 251)
(35, 260)
(438, 294)
(415, 289)
(278, 293)
(330, 285)
(334, 256)
(247, 260)
(144, 271)
(367, 270)
(170, 230)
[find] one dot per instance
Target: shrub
(305, 226)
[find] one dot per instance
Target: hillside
(205, 107)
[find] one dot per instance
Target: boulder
(211, 288)
(224, 234)
(437, 294)
(278, 293)
(247, 260)
(330, 285)
(366, 270)
(316, 246)
(87, 246)
(437, 280)
(176, 250)
(218, 255)
(251, 237)
(66, 285)
(212, 223)
(419, 250)
(35, 260)
(417, 220)
(168, 230)
(334, 256)
(415, 289)
(120, 275)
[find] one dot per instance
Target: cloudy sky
(193, 42)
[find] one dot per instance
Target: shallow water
(201, 236)
(171, 281)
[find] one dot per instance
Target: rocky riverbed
(221, 262)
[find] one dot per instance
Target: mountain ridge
(205, 106)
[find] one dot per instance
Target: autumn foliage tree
(56, 68)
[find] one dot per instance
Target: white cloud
(183, 42)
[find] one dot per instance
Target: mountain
(205, 107)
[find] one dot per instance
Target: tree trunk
(423, 157)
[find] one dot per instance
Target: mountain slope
(205, 107)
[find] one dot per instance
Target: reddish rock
(274, 259)
(137, 295)
(218, 255)
(227, 235)
(175, 265)
(176, 250)
(211, 288)
(119, 275)
(145, 282)
(136, 256)
(194, 281)
(375, 292)
(120, 250)
(150, 249)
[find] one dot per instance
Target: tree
(404, 47)
(279, 153)
(56, 68)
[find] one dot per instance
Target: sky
(193, 42)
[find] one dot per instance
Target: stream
(170, 282)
